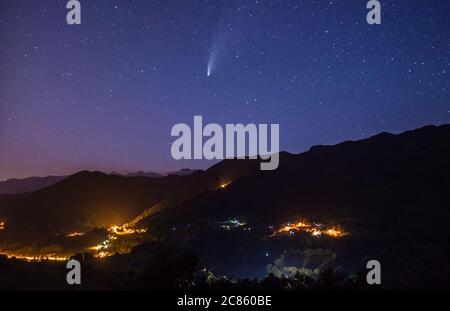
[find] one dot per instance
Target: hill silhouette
(386, 184)
(398, 182)
(15, 186)
(84, 201)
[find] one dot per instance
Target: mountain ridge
(378, 181)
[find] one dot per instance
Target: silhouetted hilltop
(15, 186)
(139, 174)
(398, 182)
(183, 172)
(83, 201)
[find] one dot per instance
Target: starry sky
(105, 94)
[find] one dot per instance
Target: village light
(74, 234)
(224, 185)
(314, 229)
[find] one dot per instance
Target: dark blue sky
(104, 95)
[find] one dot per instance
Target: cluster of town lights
(314, 229)
(102, 250)
(74, 234)
(40, 258)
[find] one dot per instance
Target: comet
(211, 63)
(218, 51)
(208, 72)
(222, 43)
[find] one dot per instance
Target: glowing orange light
(333, 232)
(96, 247)
(224, 185)
(38, 258)
(74, 234)
(104, 249)
(315, 229)
(302, 225)
(316, 233)
(121, 230)
(102, 254)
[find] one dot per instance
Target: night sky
(104, 95)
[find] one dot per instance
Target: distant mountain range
(30, 184)
(14, 186)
